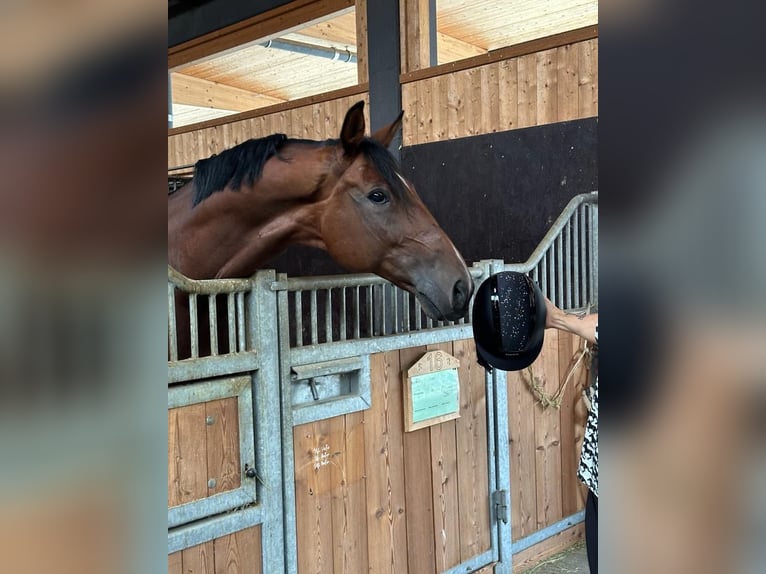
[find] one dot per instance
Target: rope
(536, 388)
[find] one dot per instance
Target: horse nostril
(460, 295)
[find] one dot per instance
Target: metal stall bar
(545, 267)
(262, 317)
(196, 367)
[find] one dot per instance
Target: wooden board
(573, 416)
(548, 436)
(547, 86)
(508, 94)
(567, 89)
(223, 461)
(445, 487)
(349, 516)
(527, 74)
(312, 497)
(386, 525)
(239, 553)
(419, 488)
(521, 433)
(187, 454)
(199, 452)
(198, 559)
(472, 461)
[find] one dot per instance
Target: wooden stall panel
(384, 462)
(330, 495)
(521, 433)
(314, 454)
(238, 553)
(187, 454)
(223, 460)
(372, 498)
(472, 455)
(545, 443)
(203, 444)
(539, 88)
(574, 414)
(349, 516)
(419, 491)
(444, 477)
(548, 475)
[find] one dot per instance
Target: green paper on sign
(435, 394)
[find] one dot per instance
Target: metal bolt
(210, 420)
(211, 483)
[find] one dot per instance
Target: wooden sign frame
(431, 391)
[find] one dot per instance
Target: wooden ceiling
(257, 76)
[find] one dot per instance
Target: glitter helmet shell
(508, 320)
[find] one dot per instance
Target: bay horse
(346, 196)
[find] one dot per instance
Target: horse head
(374, 221)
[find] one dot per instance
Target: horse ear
(352, 132)
(386, 135)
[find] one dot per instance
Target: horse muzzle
(442, 305)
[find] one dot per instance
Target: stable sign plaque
(431, 391)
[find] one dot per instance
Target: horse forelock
(385, 163)
(242, 164)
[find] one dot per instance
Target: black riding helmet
(508, 321)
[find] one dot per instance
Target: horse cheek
(344, 242)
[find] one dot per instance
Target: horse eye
(377, 196)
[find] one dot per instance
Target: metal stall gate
(297, 350)
(229, 398)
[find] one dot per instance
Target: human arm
(582, 325)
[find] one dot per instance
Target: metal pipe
(241, 322)
(555, 528)
(172, 335)
(170, 102)
(213, 316)
(333, 54)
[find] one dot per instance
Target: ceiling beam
(192, 91)
(191, 20)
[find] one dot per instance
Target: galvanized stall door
(224, 455)
(368, 496)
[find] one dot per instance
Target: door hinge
(500, 500)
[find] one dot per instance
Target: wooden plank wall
(553, 85)
(199, 449)
(318, 121)
(372, 498)
(198, 452)
(238, 553)
(545, 87)
(545, 443)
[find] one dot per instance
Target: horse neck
(245, 228)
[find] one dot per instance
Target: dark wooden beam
(187, 21)
(384, 65)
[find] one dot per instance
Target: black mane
(233, 167)
(243, 164)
